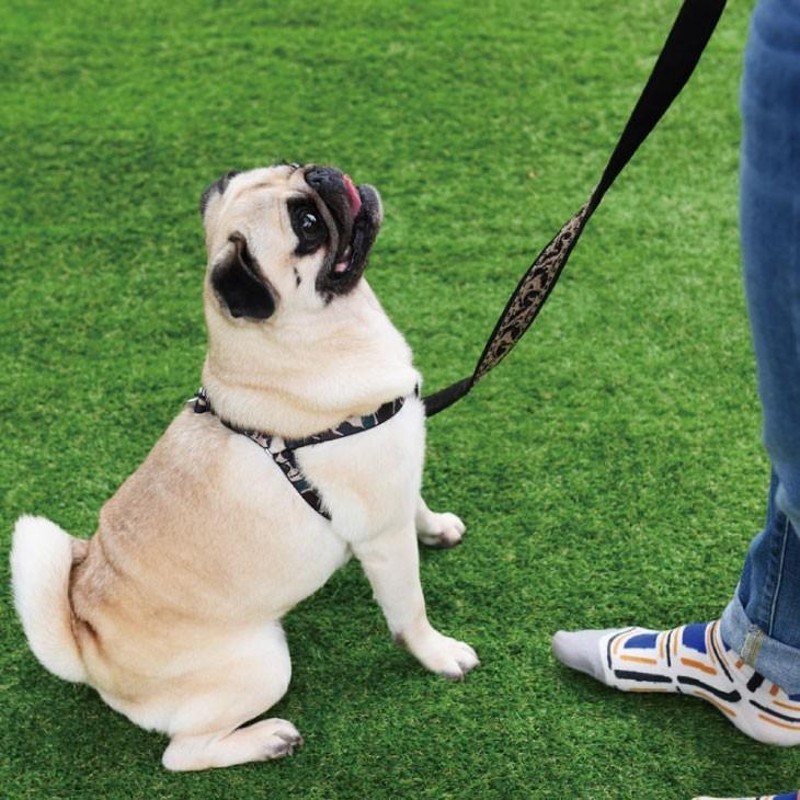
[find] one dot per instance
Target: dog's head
(286, 235)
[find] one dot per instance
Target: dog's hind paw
(281, 738)
(261, 741)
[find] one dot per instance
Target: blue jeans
(762, 621)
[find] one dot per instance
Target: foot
(438, 530)
(692, 660)
(261, 741)
(789, 796)
(447, 657)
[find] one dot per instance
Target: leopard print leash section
(690, 33)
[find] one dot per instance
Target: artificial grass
(610, 471)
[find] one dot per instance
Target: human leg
(761, 625)
(787, 796)
(762, 621)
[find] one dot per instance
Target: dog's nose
(322, 178)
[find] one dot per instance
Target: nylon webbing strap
(685, 44)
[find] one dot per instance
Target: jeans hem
(776, 661)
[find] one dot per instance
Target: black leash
(685, 44)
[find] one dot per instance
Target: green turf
(610, 471)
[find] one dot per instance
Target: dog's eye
(308, 222)
(308, 226)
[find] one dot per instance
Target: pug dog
(172, 611)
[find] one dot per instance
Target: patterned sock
(789, 796)
(691, 660)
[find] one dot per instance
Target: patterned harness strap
(283, 450)
(685, 44)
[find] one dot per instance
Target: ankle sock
(691, 660)
(788, 796)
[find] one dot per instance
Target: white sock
(788, 796)
(691, 660)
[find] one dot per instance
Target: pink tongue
(352, 195)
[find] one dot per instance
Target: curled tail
(42, 556)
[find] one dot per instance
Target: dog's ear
(214, 190)
(239, 284)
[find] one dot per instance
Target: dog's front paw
(447, 657)
(440, 530)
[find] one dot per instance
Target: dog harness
(283, 450)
